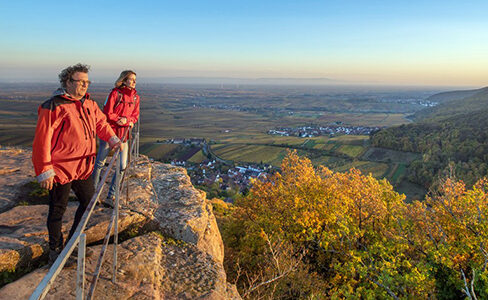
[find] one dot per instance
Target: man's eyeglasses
(82, 82)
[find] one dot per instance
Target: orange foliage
(365, 240)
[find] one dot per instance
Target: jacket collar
(61, 92)
(127, 91)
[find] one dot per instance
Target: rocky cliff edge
(170, 247)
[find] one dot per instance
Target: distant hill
(452, 135)
(454, 103)
(453, 95)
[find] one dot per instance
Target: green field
(376, 169)
(158, 151)
(390, 156)
(251, 153)
(198, 157)
(351, 139)
(350, 150)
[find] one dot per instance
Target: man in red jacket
(64, 149)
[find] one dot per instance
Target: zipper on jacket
(88, 124)
(89, 128)
(84, 126)
(57, 138)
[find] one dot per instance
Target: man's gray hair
(66, 74)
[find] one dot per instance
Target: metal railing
(79, 237)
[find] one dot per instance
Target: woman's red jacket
(122, 102)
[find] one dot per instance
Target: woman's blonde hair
(123, 77)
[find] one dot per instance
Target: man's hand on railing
(118, 146)
(115, 143)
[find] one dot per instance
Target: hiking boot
(108, 202)
(53, 255)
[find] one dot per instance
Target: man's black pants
(58, 201)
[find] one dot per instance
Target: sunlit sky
(381, 42)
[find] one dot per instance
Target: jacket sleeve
(135, 113)
(108, 108)
(104, 131)
(41, 147)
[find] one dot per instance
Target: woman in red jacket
(122, 111)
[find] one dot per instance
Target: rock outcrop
(151, 267)
(177, 251)
(15, 171)
(23, 232)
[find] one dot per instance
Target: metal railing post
(80, 274)
(137, 137)
(116, 222)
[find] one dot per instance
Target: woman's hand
(122, 121)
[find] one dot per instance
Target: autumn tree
(451, 228)
(352, 236)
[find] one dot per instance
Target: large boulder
(150, 267)
(164, 194)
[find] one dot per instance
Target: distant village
(216, 172)
(213, 173)
(312, 131)
(184, 141)
(425, 103)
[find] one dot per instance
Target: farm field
(365, 119)
(198, 157)
(158, 151)
(251, 153)
(376, 169)
(387, 155)
(351, 139)
(351, 150)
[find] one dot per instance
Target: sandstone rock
(186, 265)
(175, 206)
(24, 236)
(15, 171)
(150, 267)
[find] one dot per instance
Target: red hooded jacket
(64, 144)
(121, 102)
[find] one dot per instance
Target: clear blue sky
(393, 42)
